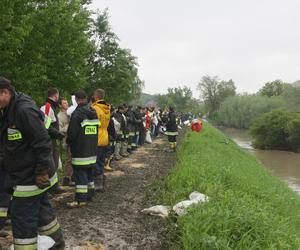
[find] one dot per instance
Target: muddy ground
(114, 218)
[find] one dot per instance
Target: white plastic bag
(159, 210)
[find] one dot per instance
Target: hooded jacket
(103, 112)
(26, 146)
(82, 136)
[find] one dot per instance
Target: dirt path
(114, 218)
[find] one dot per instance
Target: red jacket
(196, 126)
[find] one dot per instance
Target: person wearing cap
(29, 167)
(82, 136)
(172, 129)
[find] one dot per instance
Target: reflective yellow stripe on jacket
(33, 190)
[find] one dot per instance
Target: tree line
(63, 43)
(271, 114)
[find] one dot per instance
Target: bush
(241, 111)
(277, 129)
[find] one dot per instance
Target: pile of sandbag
(180, 208)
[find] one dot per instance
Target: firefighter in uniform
(30, 169)
(131, 123)
(4, 203)
(4, 196)
(82, 136)
(119, 124)
(172, 129)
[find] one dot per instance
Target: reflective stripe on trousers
(3, 212)
(82, 189)
(84, 161)
(25, 244)
(49, 229)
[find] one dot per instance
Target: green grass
(249, 208)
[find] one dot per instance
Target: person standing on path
(103, 112)
(28, 162)
(82, 136)
(172, 130)
(64, 121)
(120, 123)
(52, 124)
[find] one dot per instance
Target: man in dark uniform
(172, 129)
(28, 162)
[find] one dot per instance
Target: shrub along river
(283, 164)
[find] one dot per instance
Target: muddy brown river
(285, 165)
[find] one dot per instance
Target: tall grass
(249, 208)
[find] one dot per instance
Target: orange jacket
(103, 112)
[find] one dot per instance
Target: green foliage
(113, 68)
(278, 129)
(241, 111)
(58, 43)
(274, 88)
(214, 92)
(179, 98)
(248, 207)
(291, 96)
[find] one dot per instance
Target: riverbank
(248, 208)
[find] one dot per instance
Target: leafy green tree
(214, 92)
(52, 45)
(274, 88)
(113, 68)
(291, 96)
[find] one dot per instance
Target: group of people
(92, 133)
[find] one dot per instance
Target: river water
(285, 165)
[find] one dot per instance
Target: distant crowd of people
(85, 137)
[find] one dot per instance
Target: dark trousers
(142, 136)
(172, 139)
(101, 155)
(55, 153)
(84, 181)
(31, 216)
(4, 201)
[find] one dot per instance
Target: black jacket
(120, 119)
(25, 141)
(111, 130)
(172, 123)
(139, 120)
(53, 130)
(131, 121)
(82, 135)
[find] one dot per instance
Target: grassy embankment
(248, 208)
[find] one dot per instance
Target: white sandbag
(159, 210)
(198, 196)
(44, 243)
(181, 207)
(195, 197)
(148, 137)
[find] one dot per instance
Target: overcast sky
(177, 42)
